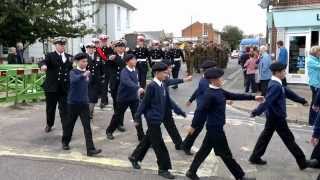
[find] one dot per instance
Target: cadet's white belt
(156, 60)
(177, 59)
(141, 60)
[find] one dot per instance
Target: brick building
(201, 31)
(297, 24)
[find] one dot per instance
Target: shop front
(299, 29)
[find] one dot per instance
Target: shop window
(314, 38)
(297, 54)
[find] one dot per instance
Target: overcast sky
(174, 15)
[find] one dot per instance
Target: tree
(30, 20)
(232, 36)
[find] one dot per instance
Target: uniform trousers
(118, 117)
(279, 125)
(153, 138)
(52, 99)
(76, 110)
(172, 129)
(218, 142)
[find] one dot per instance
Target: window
(128, 18)
(119, 18)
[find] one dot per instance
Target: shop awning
(297, 18)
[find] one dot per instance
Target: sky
(174, 15)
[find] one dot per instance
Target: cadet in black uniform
(214, 107)
(128, 96)
(96, 69)
(117, 63)
(155, 53)
(275, 107)
(177, 58)
(142, 55)
(105, 51)
(78, 104)
(153, 107)
(57, 66)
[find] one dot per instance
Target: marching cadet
(142, 55)
(275, 107)
(213, 107)
(178, 56)
(78, 104)
(95, 67)
(198, 95)
(57, 66)
(105, 51)
(153, 107)
(128, 96)
(168, 121)
(155, 53)
(117, 63)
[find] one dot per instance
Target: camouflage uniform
(197, 58)
(189, 51)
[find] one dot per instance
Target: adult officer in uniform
(178, 56)
(117, 63)
(166, 52)
(57, 65)
(155, 53)
(105, 51)
(142, 55)
(96, 70)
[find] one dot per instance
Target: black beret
(277, 67)
(128, 57)
(80, 56)
(168, 62)
(213, 73)
(208, 64)
(160, 66)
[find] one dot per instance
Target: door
(298, 48)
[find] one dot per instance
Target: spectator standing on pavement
(282, 58)
(243, 59)
(251, 68)
(12, 56)
(313, 66)
(264, 69)
(20, 51)
(78, 104)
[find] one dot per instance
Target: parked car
(235, 54)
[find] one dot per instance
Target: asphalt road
(27, 153)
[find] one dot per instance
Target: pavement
(28, 153)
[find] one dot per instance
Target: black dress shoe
(246, 178)
(134, 163)
(258, 161)
(102, 106)
(121, 129)
(179, 147)
(48, 129)
(110, 136)
(174, 87)
(313, 163)
(192, 176)
(93, 152)
(188, 152)
(166, 174)
(65, 146)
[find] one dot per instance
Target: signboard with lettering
(298, 18)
